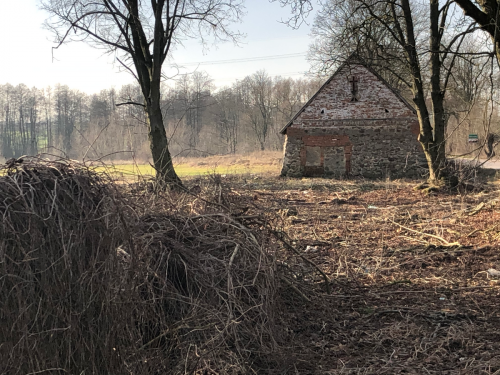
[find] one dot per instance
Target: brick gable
(374, 99)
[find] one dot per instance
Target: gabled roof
(353, 60)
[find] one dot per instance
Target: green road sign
(473, 138)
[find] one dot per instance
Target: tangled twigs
(94, 279)
(285, 240)
(279, 235)
(297, 290)
(57, 257)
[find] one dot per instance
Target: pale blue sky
(27, 56)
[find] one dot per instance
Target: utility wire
(243, 60)
(284, 75)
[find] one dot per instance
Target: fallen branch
(480, 207)
(484, 231)
(446, 243)
(477, 209)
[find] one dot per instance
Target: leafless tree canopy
(485, 13)
(138, 27)
(142, 34)
(199, 119)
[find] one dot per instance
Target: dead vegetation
(100, 280)
(413, 276)
(245, 275)
(271, 158)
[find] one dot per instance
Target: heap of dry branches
(97, 281)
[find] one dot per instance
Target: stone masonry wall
(376, 149)
(362, 130)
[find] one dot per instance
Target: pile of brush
(95, 281)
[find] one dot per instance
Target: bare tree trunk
(437, 150)
(142, 32)
(159, 145)
(432, 142)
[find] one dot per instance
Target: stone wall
(374, 99)
(372, 149)
(354, 125)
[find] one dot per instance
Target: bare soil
(409, 287)
(246, 275)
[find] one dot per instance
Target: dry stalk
(96, 280)
(445, 243)
(281, 237)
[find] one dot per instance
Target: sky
(30, 59)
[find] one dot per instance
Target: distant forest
(200, 120)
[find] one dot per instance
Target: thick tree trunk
(431, 138)
(437, 96)
(159, 146)
(437, 148)
(434, 153)
(426, 139)
(148, 66)
(486, 14)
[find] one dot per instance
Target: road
(493, 163)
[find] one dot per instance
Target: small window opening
(386, 111)
(322, 111)
(353, 80)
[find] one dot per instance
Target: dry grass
(257, 163)
(229, 277)
(411, 292)
(271, 158)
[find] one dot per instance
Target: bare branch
(130, 103)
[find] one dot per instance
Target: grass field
(256, 163)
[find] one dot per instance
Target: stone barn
(356, 124)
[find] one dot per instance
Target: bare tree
(227, 117)
(260, 113)
(417, 43)
(192, 93)
(61, 119)
(143, 33)
(287, 93)
(47, 111)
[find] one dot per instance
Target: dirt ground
(248, 274)
(412, 278)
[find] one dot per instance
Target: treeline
(199, 119)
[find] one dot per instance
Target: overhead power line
(285, 75)
(243, 60)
